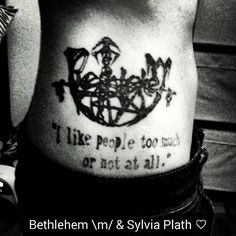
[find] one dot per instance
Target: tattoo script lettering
(160, 148)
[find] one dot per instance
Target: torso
(140, 124)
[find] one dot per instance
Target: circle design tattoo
(110, 100)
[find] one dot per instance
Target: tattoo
(158, 147)
(109, 100)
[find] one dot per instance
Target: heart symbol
(201, 224)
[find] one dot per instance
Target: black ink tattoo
(88, 162)
(115, 143)
(152, 163)
(76, 137)
(109, 100)
(110, 164)
(58, 132)
(170, 141)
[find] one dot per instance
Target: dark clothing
(47, 190)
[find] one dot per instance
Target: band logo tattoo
(110, 100)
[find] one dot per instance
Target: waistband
(157, 195)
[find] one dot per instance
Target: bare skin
(135, 57)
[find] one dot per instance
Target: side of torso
(116, 86)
